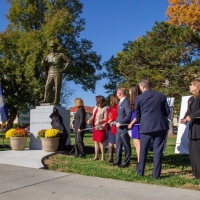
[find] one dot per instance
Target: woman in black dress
(193, 117)
(79, 125)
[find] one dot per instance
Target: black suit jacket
(79, 119)
(152, 110)
(193, 112)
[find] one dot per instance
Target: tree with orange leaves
(184, 13)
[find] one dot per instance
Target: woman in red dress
(99, 129)
(112, 115)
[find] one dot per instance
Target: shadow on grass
(176, 160)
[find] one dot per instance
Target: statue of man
(54, 62)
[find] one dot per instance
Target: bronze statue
(54, 61)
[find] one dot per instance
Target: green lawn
(176, 170)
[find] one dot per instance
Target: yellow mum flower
(51, 133)
(10, 132)
(19, 132)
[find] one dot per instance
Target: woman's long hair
(113, 100)
(134, 92)
(196, 83)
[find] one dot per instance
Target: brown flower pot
(50, 144)
(18, 143)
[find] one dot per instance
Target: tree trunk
(11, 119)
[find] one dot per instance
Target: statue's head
(53, 46)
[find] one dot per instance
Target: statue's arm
(66, 60)
(44, 62)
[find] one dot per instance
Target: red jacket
(112, 115)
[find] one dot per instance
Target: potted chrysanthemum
(18, 138)
(50, 139)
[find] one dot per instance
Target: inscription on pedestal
(45, 104)
(39, 119)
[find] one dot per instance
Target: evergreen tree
(168, 55)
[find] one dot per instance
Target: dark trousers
(123, 140)
(194, 153)
(79, 145)
(158, 138)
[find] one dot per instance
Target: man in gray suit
(122, 136)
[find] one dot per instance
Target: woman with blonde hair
(79, 124)
(193, 117)
(98, 120)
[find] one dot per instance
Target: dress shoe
(123, 166)
(115, 164)
(82, 157)
(139, 175)
(110, 160)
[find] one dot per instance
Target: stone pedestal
(39, 119)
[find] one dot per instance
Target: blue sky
(109, 24)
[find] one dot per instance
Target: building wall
(23, 119)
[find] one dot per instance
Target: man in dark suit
(152, 111)
(122, 136)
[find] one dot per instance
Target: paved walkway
(26, 158)
(32, 183)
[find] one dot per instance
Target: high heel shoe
(96, 158)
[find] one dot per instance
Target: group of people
(144, 118)
(144, 114)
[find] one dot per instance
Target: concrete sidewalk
(21, 183)
(25, 158)
(28, 183)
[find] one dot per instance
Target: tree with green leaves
(169, 55)
(113, 75)
(33, 23)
